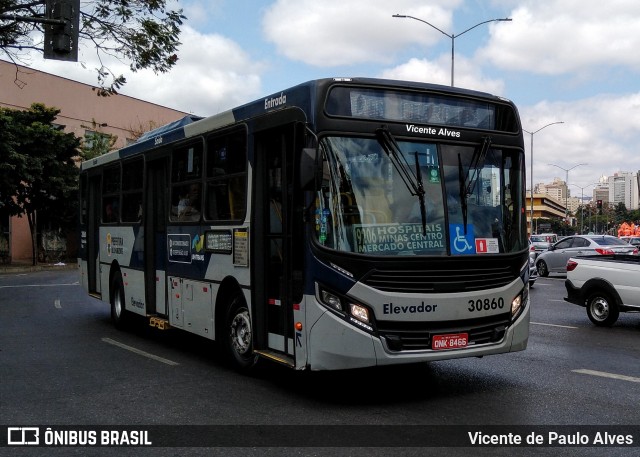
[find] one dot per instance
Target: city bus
(341, 223)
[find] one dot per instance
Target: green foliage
(143, 32)
(38, 172)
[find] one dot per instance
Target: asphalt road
(62, 363)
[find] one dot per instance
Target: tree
(38, 172)
(143, 32)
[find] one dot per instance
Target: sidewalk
(28, 268)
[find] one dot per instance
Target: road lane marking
(554, 325)
(39, 285)
(57, 303)
(604, 374)
(140, 352)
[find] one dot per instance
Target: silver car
(634, 240)
(554, 260)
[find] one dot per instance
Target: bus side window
(218, 201)
(111, 210)
(226, 176)
(186, 203)
(187, 163)
(111, 194)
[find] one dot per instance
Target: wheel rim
(240, 332)
(600, 309)
(542, 268)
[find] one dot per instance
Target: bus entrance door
(276, 248)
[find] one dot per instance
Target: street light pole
(566, 183)
(451, 35)
(582, 203)
(531, 168)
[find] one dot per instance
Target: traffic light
(599, 204)
(61, 40)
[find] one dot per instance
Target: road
(63, 363)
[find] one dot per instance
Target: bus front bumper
(335, 345)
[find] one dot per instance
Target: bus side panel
(191, 305)
(115, 248)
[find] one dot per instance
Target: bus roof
(191, 126)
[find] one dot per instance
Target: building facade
(119, 118)
(623, 188)
(544, 207)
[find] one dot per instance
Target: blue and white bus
(341, 223)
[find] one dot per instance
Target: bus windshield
(473, 203)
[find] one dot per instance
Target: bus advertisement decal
(179, 245)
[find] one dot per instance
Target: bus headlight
(515, 305)
(354, 313)
(518, 303)
(359, 312)
(330, 300)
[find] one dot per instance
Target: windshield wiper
(473, 174)
(412, 180)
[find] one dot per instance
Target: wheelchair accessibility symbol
(459, 242)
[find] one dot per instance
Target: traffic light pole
(60, 28)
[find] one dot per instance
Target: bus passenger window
(226, 176)
(187, 163)
(111, 210)
(187, 203)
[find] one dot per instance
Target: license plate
(450, 341)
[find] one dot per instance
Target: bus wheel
(118, 313)
(238, 336)
(602, 309)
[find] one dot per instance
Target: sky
(571, 61)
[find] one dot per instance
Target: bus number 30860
(486, 304)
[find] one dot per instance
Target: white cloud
(601, 131)
(561, 36)
(337, 32)
(467, 74)
(213, 74)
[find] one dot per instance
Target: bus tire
(237, 337)
(602, 309)
(118, 313)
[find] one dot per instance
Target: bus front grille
(441, 280)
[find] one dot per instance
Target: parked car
(554, 260)
(633, 240)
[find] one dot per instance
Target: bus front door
(277, 243)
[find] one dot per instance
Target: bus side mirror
(308, 168)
